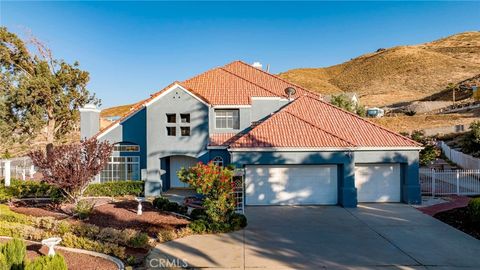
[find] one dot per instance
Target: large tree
(38, 92)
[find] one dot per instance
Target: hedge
(28, 189)
(115, 189)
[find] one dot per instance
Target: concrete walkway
(372, 236)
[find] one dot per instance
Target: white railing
(463, 160)
(238, 192)
(450, 182)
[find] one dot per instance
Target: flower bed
(466, 219)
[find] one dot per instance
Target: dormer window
(227, 119)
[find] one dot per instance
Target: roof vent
(257, 65)
(290, 91)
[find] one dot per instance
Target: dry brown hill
(403, 73)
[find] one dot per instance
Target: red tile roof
(311, 123)
(222, 139)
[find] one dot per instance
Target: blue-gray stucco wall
(134, 130)
(345, 161)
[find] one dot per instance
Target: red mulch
(123, 214)
(37, 209)
(75, 261)
(455, 202)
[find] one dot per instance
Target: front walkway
(372, 236)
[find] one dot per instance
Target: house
(293, 147)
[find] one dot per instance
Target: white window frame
(228, 114)
(218, 160)
(118, 160)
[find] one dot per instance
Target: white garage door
(290, 184)
(176, 163)
(378, 182)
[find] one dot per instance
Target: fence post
(433, 182)
(7, 172)
(458, 183)
(31, 172)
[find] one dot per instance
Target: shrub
(198, 214)
(140, 240)
(29, 189)
(115, 189)
(216, 183)
(160, 202)
(3, 262)
(56, 262)
(71, 240)
(14, 252)
(83, 209)
(474, 210)
(166, 235)
(198, 226)
(238, 221)
(183, 232)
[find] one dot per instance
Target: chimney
(89, 121)
(257, 65)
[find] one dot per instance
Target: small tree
(72, 167)
(216, 183)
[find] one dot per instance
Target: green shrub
(71, 240)
(115, 189)
(83, 209)
(198, 214)
(3, 262)
(56, 262)
(140, 240)
(160, 202)
(198, 226)
(238, 221)
(85, 230)
(29, 189)
(474, 210)
(14, 252)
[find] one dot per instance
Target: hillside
(402, 73)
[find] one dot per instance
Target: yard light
(139, 208)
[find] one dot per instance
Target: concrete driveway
(372, 236)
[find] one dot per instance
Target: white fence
(450, 182)
(20, 168)
(461, 159)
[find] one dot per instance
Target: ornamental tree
(216, 183)
(72, 167)
(37, 91)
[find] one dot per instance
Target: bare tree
(72, 167)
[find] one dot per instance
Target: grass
(116, 111)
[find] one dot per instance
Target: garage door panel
(378, 182)
(291, 185)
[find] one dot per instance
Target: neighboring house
(294, 149)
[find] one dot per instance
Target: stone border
(115, 260)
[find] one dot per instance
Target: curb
(115, 260)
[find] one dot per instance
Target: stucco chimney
(89, 121)
(257, 65)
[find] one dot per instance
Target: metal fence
(20, 168)
(450, 182)
(463, 160)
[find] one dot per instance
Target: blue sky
(133, 49)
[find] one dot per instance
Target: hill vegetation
(403, 73)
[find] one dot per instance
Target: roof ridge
(236, 75)
(317, 127)
(364, 120)
(277, 77)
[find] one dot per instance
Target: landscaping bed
(75, 261)
(459, 218)
(123, 215)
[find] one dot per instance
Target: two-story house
(293, 147)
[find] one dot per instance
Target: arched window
(218, 161)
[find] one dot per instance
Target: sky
(133, 49)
